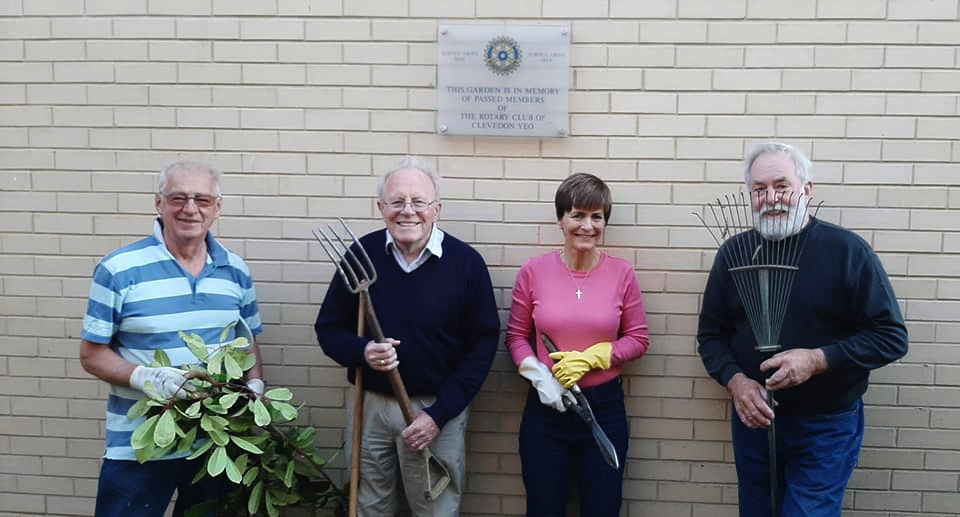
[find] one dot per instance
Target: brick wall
(303, 102)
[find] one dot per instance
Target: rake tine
(373, 277)
(337, 260)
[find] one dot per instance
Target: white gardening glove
(256, 386)
(548, 388)
(165, 381)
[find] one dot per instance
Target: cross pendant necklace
(579, 293)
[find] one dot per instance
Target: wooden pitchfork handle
(437, 475)
(357, 422)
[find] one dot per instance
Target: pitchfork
(358, 276)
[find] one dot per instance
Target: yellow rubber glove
(570, 366)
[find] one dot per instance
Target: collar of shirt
(433, 247)
(216, 255)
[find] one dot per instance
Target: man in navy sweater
(434, 299)
(842, 321)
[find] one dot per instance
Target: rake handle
(399, 391)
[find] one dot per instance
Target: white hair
(411, 162)
(801, 163)
(187, 165)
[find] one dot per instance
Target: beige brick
(339, 75)
(723, 126)
(13, 94)
(55, 94)
(887, 80)
(272, 118)
(876, 173)
(273, 73)
(941, 81)
(629, 55)
(927, 10)
(116, 50)
(307, 7)
(708, 9)
(244, 51)
(272, 29)
(195, 139)
(248, 140)
(208, 117)
(811, 32)
(246, 96)
(146, 73)
(671, 125)
(27, 72)
(179, 7)
(780, 103)
(120, 138)
(643, 102)
(916, 150)
(915, 56)
(742, 32)
(820, 126)
(60, 181)
(144, 117)
(23, 28)
(852, 9)
(408, 121)
(441, 8)
(641, 148)
(608, 79)
(711, 103)
(709, 57)
(673, 80)
(825, 150)
(881, 127)
(58, 137)
(244, 7)
(152, 27)
(848, 56)
(938, 33)
(775, 9)
(746, 80)
(308, 52)
(606, 31)
(53, 7)
(180, 50)
(310, 141)
(881, 32)
(113, 7)
(410, 75)
(850, 104)
(113, 94)
(208, 28)
(574, 9)
(937, 127)
(338, 30)
(673, 32)
(603, 124)
(212, 73)
(11, 50)
(60, 50)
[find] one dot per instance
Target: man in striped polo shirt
(143, 294)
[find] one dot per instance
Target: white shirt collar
(433, 247)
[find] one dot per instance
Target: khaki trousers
(386, 461)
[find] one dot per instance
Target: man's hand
(420, 432)
(794, 367)
(750, 401)
(382, 356)
(165, 381)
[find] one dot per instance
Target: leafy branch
(236, 433)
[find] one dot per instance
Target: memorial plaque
(503, 80)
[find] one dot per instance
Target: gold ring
(382, 362)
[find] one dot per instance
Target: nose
(407, 205)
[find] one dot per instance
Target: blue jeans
(816, 455)
(552, 444)
(128, 488)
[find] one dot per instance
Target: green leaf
(193, 411)
(245, 445)
(166, 430)
(306, 437)
(195, 344)
(226, 331)
(161, 357)
(288, 475)
(233, 367)
(143, 434)
(211, 404)
(139, 409)
(271, 508)
(260, 414)
(217, 461)
(201, 450)
(248, 361)
(187, 441)
(233, 473)
(256, 495)
(287, 411)
(242, 461)
(227, 401)
(213, 422)
(215, 362)
(219, 437)
(251, 475)
(279, 394)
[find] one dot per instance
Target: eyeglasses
(179, 200)
(417, 205)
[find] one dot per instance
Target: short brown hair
(584, 191)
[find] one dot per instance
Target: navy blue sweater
(443, 313)
(841, 301)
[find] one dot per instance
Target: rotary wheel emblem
(502, 55)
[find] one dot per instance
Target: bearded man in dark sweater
(842, 321)
(434, 299)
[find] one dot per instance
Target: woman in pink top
(589, 304)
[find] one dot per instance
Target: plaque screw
(443, 32)
(562, 132)
(564, 32)
(443, 128)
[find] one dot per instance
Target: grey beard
(789, 224)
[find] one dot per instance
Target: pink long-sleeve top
(610, 309)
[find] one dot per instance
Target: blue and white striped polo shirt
(141, 298)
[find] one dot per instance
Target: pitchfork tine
(352, 283)
(369, 263)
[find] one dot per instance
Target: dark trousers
(128, 488)
(553, 445)
(816, 455)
